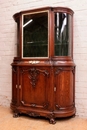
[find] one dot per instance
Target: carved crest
(34, 74)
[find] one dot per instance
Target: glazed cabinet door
(64, 87)
(14, 85)
(34, 85)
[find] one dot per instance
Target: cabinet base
(43, 113)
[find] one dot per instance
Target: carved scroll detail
(34, 73)
(33, 76)
(33, 114)
(58, 70)
(45, 105)
(63, 108)
(52, 118)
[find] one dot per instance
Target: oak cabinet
(43, 73)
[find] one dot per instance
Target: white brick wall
(8, 45)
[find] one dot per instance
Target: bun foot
(52, 121)
(15, 115)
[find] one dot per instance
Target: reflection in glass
(35, 35)
(62, 34)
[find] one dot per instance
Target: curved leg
(52, 121)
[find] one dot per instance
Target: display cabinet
(43, 73)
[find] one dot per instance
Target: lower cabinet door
(64, 87)
(34, 85)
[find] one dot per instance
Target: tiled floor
(7, 122)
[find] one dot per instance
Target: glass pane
(63, 36)
(35, 35)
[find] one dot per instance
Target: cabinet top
(44, 33)
(58, 9)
